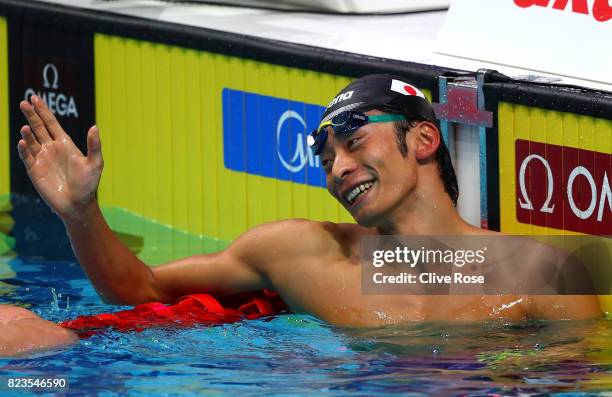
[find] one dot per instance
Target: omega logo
(46, 69)
(302, 154)
(600, 203)
(61, 104)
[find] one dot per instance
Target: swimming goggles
(345, 123)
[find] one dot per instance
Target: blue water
(298, 354)
(288, 354)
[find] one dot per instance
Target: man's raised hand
(65, 178)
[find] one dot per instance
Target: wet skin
(313, 265)
(23, 332)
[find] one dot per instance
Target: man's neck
(430, 212)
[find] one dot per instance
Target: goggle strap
(383, 118)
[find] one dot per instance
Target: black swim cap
(381, 91)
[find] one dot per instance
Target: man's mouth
(355, 193)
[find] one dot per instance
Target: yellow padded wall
(5, 186)
(159, 110)
(538, 125)
(543, 126)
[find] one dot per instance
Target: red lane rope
(188, 311)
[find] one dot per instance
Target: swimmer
(23, 332)
(385, 162)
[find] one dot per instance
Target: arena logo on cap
(405, 88)
(340, 98)
(266, 136)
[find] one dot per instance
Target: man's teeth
(356, 192)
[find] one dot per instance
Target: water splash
(54, 301)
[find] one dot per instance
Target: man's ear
(427, 139)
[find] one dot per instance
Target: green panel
(5, 185)
(139, 233)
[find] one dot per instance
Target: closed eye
(351, 143)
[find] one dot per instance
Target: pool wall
(5, 187)
(203, 131)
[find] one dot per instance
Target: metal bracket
(462, 101)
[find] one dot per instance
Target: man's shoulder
(304, 235)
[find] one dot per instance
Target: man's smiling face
(367, 173)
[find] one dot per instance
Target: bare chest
(332, 290)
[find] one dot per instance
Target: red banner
(563, 187)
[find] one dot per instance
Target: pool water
(298, 354)
(283, 355)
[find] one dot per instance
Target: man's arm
(23, 332)
(562, 307)
(121, 278)
(67, 181)
(571, 281)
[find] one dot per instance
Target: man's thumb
(94, 146)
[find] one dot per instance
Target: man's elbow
(124, 294)
(127, 298)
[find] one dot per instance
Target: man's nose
(343, 165)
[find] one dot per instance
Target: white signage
(60, 103)
(605, 198)
(302, 154)
(570, 38)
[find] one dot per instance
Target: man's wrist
(82, 215)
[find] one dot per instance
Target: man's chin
(366, 219)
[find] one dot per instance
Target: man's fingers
(53, 126)
(94, 146)
(30, 140)
(36, 123)
(25, 154)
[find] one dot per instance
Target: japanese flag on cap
(384, 92)
(405, 88)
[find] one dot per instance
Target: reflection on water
(299, 355)
(532, 356)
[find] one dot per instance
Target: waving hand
(65, 178)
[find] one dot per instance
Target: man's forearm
(116, 273)
(22, 332)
